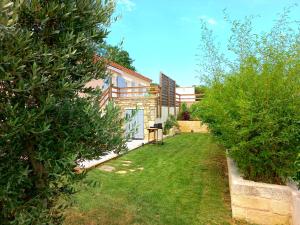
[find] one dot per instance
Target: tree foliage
(118, 55)
(252, 104)
(200, 89)
(47, 50)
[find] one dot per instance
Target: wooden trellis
(168, 92)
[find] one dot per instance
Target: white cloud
(212, 21)
(191, 20)
(209, 20)
(128, 4)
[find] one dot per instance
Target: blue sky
(163, 35)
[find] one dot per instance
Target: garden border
(261, 203)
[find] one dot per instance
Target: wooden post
(157, 105)
(179, 102)
(119, 94)
(161, 93)
(110, 92)
(175, 99)
(168, 97)
(160, 102)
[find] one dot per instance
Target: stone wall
(148, 104)
(192, 126)
(261, 203)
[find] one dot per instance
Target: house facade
(144, 103)
(135, 96)
(120, 77)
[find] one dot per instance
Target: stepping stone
(127, 161)
(106, 168)
(78, 170)
(131, 170)
(125, 164)
(121, 172)
(140, 168)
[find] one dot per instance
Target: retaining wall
(261, 203)
(192, 126)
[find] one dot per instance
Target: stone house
(136, 97)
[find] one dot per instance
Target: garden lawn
(180, 182)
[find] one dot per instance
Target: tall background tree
(47, 50)
(118, 55)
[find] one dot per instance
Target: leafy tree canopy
(118, 55)
(47, 50)
(200, 89)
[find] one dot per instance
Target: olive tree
(46, 57)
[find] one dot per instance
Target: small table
(155, 131)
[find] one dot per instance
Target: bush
(254, 108)
(194, 114)
(184, 113)
(200, 89)
(170, 123)
(189, 113)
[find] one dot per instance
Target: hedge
(253, 108)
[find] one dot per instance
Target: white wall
(188, 91)
(165, 115)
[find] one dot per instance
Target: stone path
(107, 168)
(131, 145)
(110, 155)
(121, 172)
(126, 163)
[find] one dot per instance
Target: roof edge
(124, 69)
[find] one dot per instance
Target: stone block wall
(148, 104)
(192, 126)
(262, 203)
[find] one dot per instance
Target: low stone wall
(261, 203)
(192, 126)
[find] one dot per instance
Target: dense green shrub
(184, 113)
(253, 104)
(170, 123)
(200, 89)
(200, 92)
(47, 50)
(194, 111)
(189, 113)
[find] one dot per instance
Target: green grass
(182, 182)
